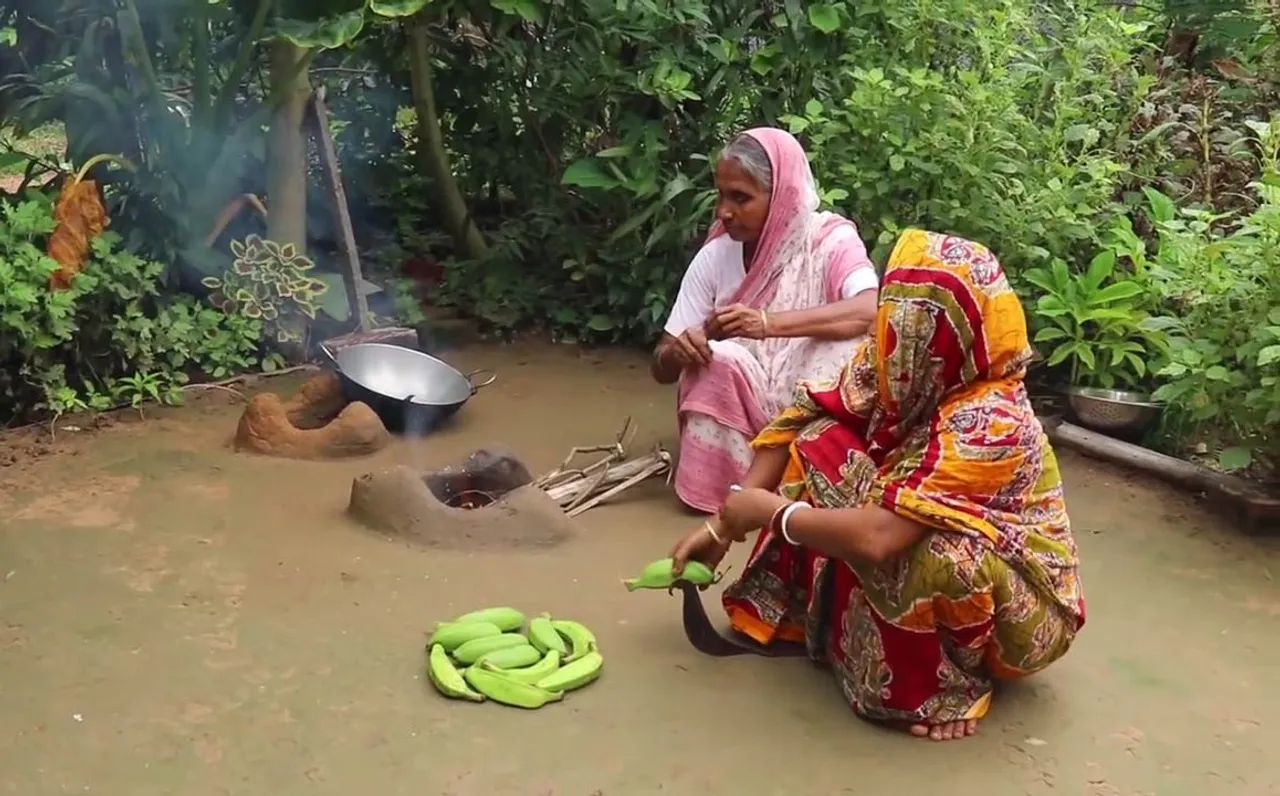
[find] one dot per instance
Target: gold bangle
(712, 531)
(764, 322)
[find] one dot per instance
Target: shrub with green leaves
(270, 282)
(1093, 322)
(970, 118)
(1219, 282)
(111, 335)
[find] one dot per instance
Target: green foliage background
(1119, 158)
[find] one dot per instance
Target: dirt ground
(179, 619)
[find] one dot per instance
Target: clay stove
(316, 423)
(487, 501)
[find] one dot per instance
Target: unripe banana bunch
(484, 655)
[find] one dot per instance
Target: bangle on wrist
(764, 322)
(774, 521)
(711, 530)
(787, 511)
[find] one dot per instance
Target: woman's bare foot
(947, 731)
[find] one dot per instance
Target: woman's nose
(723, 213)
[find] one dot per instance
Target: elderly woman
(778, 292)
(913, 532)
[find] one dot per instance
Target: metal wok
(412, 392)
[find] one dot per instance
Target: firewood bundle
(578, 489)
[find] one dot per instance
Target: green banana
(510, 657)
(507, 619)
(472, 651)
(658, 575)
(501, 688)
(448, 680)
(452, 635)
(543, 635)
(529, 674)
(581, 640)
(581, 672)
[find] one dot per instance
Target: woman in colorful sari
(779, 292)
(913, 534)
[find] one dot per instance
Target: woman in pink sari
(779, 292)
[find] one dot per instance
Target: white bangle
(786, 517)
(712, 531)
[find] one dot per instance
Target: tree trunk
(287, 147)
(467, 239)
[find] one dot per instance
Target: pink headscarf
(793, 203)
(802, 260)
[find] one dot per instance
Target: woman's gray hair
(752, 158)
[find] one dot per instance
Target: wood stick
(643, 475)
(583, 495)
(262, 374)
(221, 387)
(352, 277)
(1100, 446)
(564, 493)
(1253, 500)
(589, 490)
(230, 211)
(617, 452)
(561, 475)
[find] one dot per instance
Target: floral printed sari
(929, 420)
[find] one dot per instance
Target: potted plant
(1096, 327)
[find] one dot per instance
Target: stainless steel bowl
(1112, 410)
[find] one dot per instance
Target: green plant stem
(200, 64)
(287, 146)
(135, 46)
(434, 157)
(242, 63)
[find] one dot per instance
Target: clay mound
(316, 423)
(506, 510)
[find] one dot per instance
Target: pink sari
(801, 261)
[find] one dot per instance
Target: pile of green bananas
(484, 655)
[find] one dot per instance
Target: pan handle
(476, 385)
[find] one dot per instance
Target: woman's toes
(952, 730)
(946, 731)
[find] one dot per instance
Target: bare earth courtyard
(179, 619)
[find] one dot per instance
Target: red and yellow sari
(929, 420)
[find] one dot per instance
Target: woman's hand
(739, 320)
(692, 349)
(747, 510)
(700, 546)
(711, 328)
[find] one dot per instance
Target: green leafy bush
(109, 338)
(270, 282)
(1014, 140)
(1220, 284)
(1094, 323)
(971, 118)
